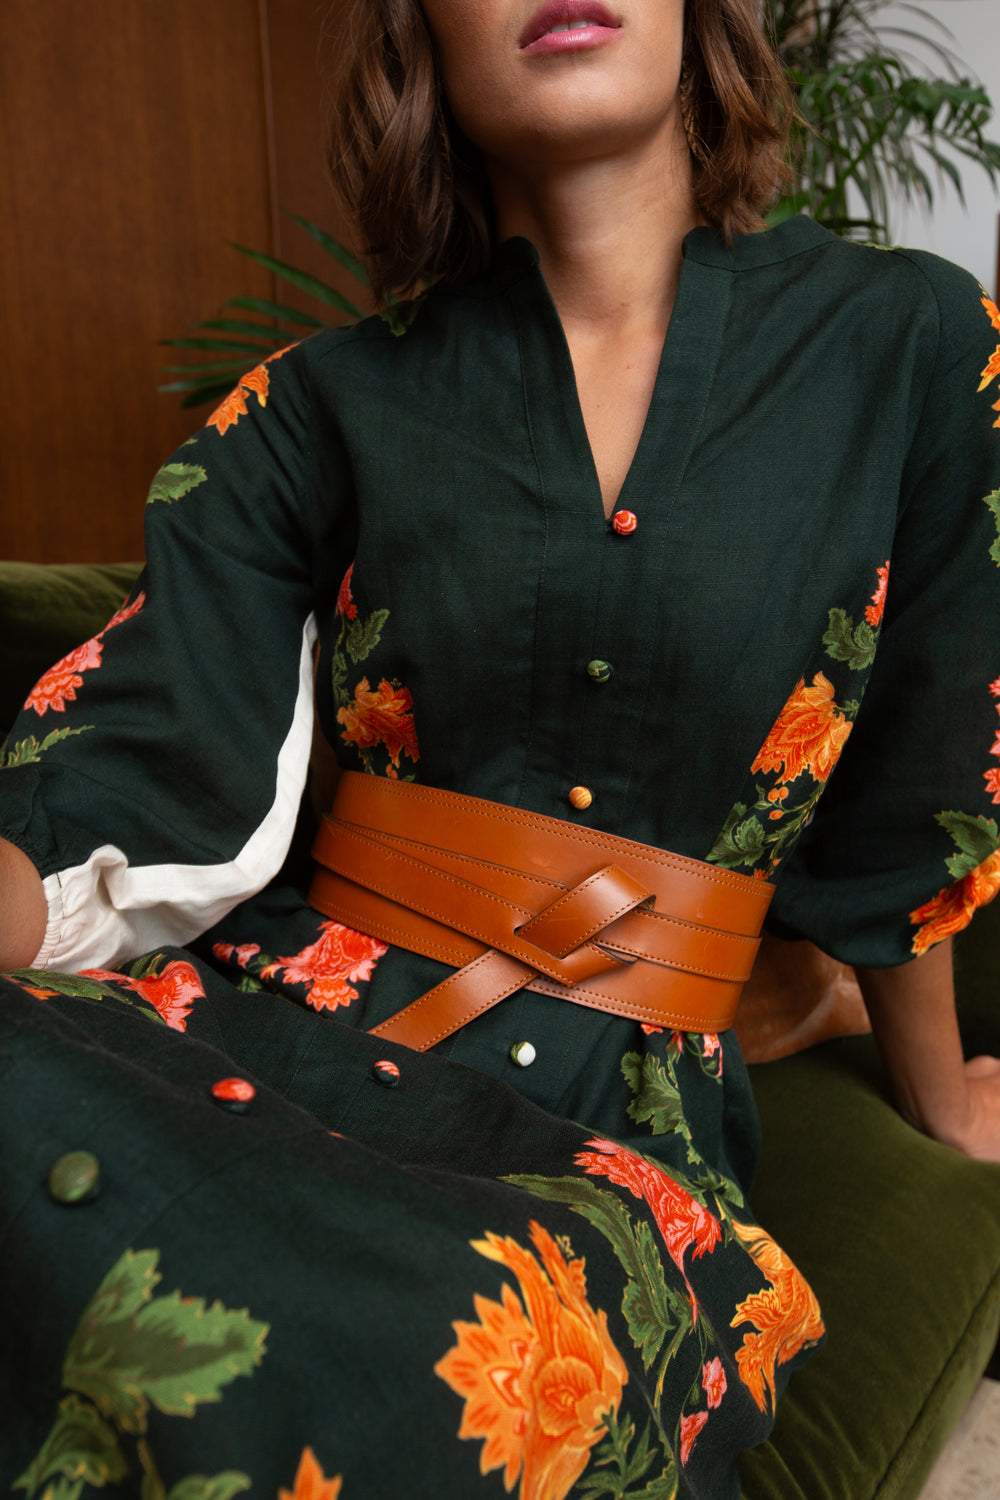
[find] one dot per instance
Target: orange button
(581, 796)
(624, 522)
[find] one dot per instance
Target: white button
(523, 1053)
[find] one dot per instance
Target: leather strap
(515, 899)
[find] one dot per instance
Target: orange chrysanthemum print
(57, 687)
(337, 957)
(383, 716)
(991, 369)
(172, 992)
(955, 905)
(808, 735)
(786, 1315)
(310, 1481)
(255, 382)
(684, 1223)
(538, 1372)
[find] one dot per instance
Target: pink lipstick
(586, 23)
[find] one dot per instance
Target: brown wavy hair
(414, 183)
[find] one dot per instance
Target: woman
(639, 519)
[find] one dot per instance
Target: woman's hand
(979, 1137)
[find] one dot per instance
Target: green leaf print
(193, 1487)
(210, 1486)
(650, 1308)
(28, 752)
(364, 634)
(624, 1469)
(78, 987)
(739, 843)
(131, 1349)
(81, 1446)
(975, 837)
(993, 501)
(657, 1098)
(64, 984)
(173, 481)
(845, 641)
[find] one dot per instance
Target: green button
(74, 1177)
(599, 671)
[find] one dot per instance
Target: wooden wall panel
(301, 37)
(138, 138)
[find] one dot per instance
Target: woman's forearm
(915, 1025)
(23, 909)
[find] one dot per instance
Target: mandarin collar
(517, 255)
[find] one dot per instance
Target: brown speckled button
(75, 1177)
(580, 796)
(624, 522)
(234, 1094)
(385, 1072)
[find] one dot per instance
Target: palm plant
(870, 116)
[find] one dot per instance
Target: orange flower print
(310, 1481)
(345, 602)
(955, 905)
(57, 687)
(234, 406)
(786, 1315)
(684, 1223)
(690, 1427)
(171, 993)
(713, 1381)
(992, 366)
(875, 610)
(992, 779)
(537, 1372)
(338, 956)
(809, 734)
(32, 989)
(382, 717)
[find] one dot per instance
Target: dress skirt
(248, 1246)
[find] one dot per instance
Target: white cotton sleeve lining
(105, 911)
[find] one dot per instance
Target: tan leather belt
(515, 899)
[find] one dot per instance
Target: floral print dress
(250, 1247)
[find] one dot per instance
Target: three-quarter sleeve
(154, 775)
(903, 848)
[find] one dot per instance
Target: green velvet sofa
(898, 1234)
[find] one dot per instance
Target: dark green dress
(363, 1271)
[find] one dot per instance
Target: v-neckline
(637, 461)
(686, 362)
(685, 369)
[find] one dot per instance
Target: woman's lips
(601, 23)
(571, 41)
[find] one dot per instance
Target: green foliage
(80, 1446)
(132, 1350)
(650, 1308)
(741, 841)
(30, 750)
(657, 1099)
(845, 641)
(993, 501)
(172, 481)
(614, 1470)
(976, 838)
(872, 116)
